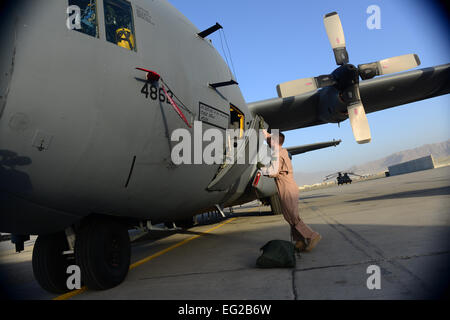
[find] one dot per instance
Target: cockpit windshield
(119, 23)
(88, 12)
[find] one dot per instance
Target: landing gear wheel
(102, 251)
(49, 263)
(275, 204)
(185, 224)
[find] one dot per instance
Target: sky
(276, 41)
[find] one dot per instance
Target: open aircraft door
(240, 154)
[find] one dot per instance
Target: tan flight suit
(281, 170)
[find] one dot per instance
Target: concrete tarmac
(400, 224)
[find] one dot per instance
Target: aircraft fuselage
(79, 136)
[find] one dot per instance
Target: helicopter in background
(342, 178)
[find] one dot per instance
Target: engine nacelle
(332, 108)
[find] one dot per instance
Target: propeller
(346, 77)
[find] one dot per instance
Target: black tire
(49, 264)
(168, 225)
(185, 224)
(275, 204)
(102, 251)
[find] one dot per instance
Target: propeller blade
(388, 66)
(300, 86)
(334, 29)
(335, 32)
(296, 87)
(398, 64)
(359, 122)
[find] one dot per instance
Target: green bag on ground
(277, 254)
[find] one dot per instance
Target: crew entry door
(237, 151)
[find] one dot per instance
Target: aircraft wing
(325, 105)
(311, 147)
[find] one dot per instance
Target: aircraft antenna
(225, 53)
(229, 52)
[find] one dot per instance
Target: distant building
(419, 164)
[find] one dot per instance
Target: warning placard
(213, 116)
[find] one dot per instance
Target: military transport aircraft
(90, 93)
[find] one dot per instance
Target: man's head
(278, 140)
(281, 139)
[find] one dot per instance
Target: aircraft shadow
(408, 194)
(314, 197)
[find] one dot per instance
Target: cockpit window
(120, 24)
(88, 10)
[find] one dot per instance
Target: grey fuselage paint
(82, 94)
